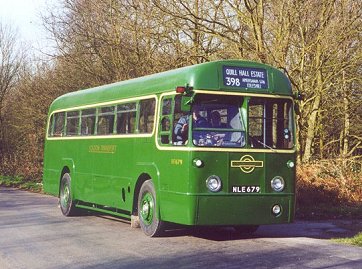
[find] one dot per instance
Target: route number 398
(232, 81)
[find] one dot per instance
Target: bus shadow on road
(209, 233)
(309, 229)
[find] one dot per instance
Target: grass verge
(21, 183)
(356, 240)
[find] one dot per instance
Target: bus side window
(165, 122)
(88, 121)
(126, 118)
(59, 124)
(147, 116)
(165, 130)
(72, 123)
(177, 114)
(105, 120)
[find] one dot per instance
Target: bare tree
(317, 44)
(11, 58)
(105, 41)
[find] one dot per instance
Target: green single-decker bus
(211, 144)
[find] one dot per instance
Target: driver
(182, 126)
(216, 123)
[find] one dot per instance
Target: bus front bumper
(244, 210)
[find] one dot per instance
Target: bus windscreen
(217, 121)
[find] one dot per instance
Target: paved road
(34, 234)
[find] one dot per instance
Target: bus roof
(227, 76)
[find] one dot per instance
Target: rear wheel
(147, 210)
(65, 197)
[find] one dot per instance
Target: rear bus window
(59, 120)
(51, 125)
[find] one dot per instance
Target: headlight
(278, 184)
(213, 183)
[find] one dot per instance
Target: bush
(329, 188)
(27, 166)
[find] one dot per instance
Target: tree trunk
(346, 120)
(312, 124)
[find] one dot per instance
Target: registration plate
(246, 189)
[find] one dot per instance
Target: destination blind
(245, 77)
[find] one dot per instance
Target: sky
(24, 15)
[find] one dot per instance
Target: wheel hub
(147, 207)
(65, 196)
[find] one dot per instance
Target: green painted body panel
(203, 207)
(99, 177)
(249, 210)
(109, 177)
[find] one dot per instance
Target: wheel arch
(141, 179)
(146, 171)
(64, 171)
(67, 166)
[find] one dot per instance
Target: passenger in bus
(182, 126)
(216, 120)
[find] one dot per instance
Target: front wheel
(65, 197)
(147, 210)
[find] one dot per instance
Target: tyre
(147, 210)
(66, 202)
